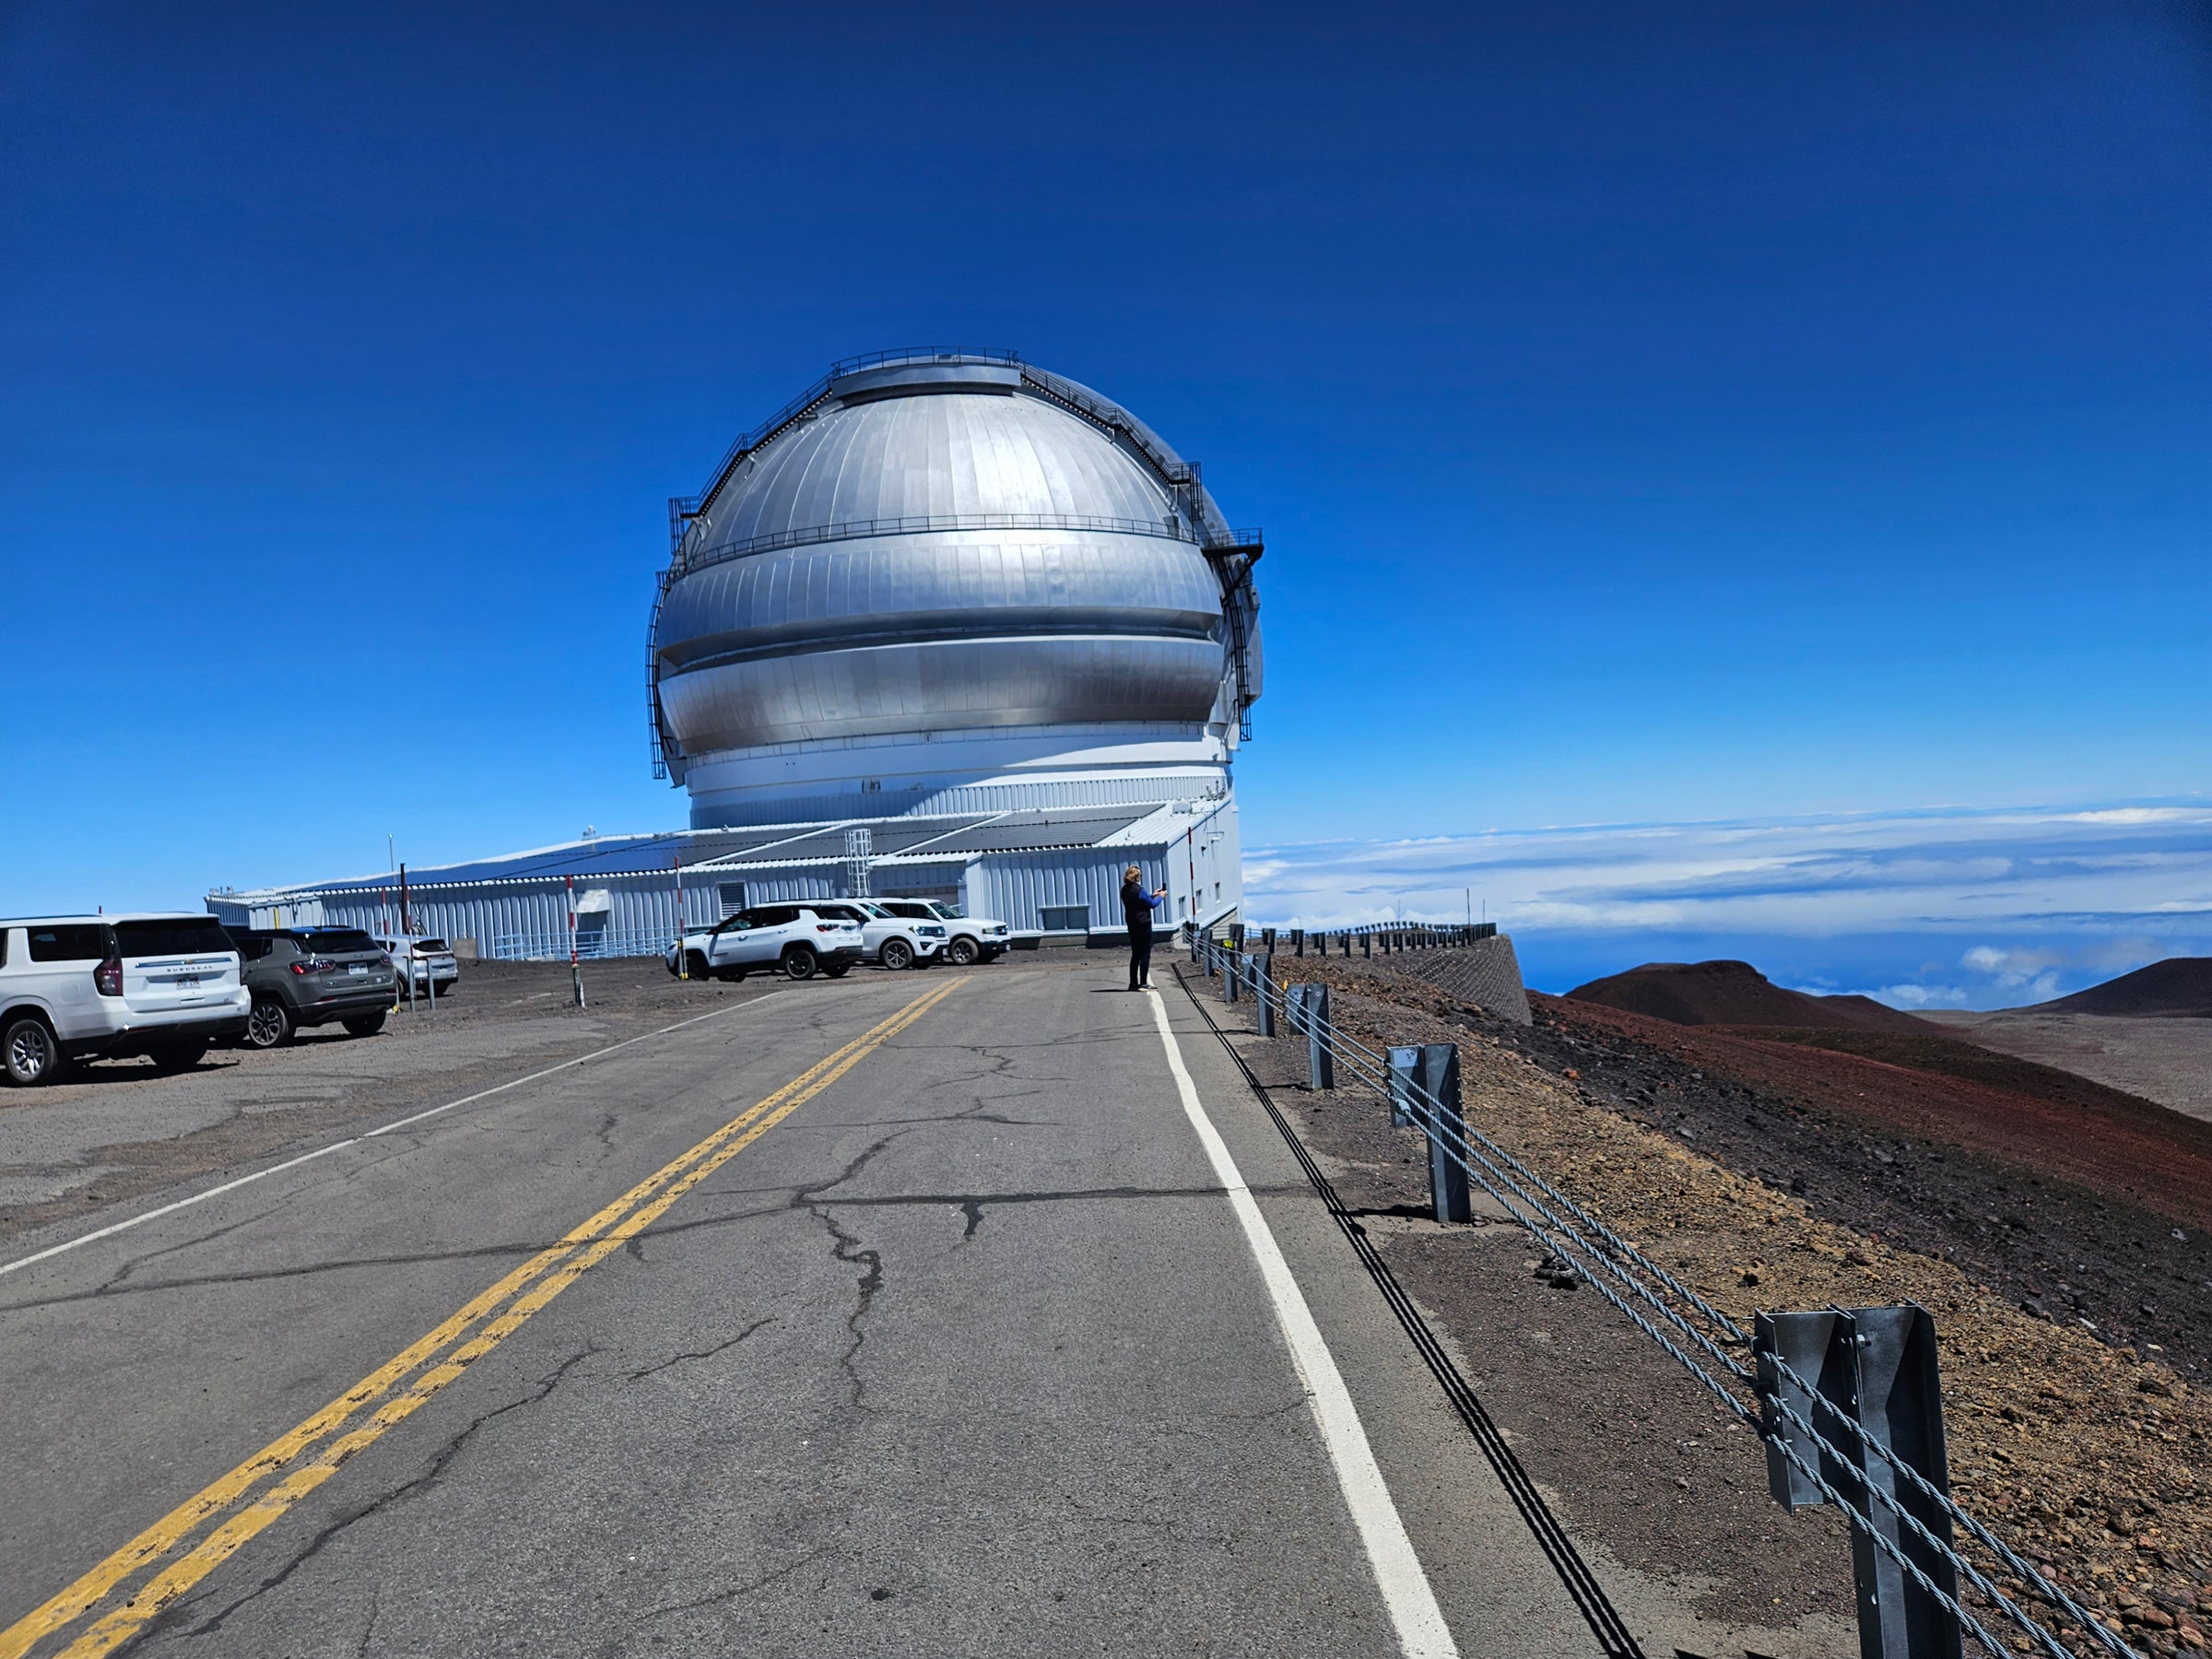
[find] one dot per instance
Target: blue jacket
(1137, 905)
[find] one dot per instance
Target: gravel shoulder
(1750, 1180)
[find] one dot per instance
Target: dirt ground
(1746, 1177)
(2168, 1061)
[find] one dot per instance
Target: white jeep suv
(971, 939)
(74, 987)
(797, 939)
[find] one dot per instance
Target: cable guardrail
(1595, 1253)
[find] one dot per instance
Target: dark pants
(1140, 957)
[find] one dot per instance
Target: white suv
(795, 938)
(435, 969)
(973, 938)
(895, 941)
(77, 986)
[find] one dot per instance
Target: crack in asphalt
(708, 1353)
(522, 1248)
(848, 1249)
(734, 1591)
(437, 1465)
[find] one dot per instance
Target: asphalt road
(907, 1314)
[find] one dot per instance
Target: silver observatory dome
(950, 582)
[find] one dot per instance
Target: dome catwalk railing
(1170, 528)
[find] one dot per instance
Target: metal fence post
(1439, 1078)
(1321, 1059)
(1232, 970)
(1236, 938)
(1878, 1367)
(1404, 1063)
(1366, 945)
(1297, 941)
(1263, 989)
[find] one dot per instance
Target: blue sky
(1662, 416)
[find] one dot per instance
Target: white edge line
(354, 1140)
(1422, 1632)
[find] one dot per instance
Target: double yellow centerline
(230, 1511)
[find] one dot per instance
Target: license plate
(353, 968)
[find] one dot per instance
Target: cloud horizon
(1921, 906)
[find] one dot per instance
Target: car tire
(365, 1025)
(28, 1054)
(962, 952)
(838, 970)
(178, 1057)
(799, 963)
(270, 1025)
(697, 966)
(896, 954)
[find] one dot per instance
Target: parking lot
(113, 1130)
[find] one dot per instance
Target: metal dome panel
(958, 452)
(935, 544)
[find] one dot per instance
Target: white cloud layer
(1973, 906)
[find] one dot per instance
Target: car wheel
(799, 963)
(28, 1053)
(838, 970)
(962, 951)
(365, 1025)
(270, 1024)
(896, 954)
(698, 969)
(179, 1057)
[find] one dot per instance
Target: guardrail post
(1205, 954)
(1263, 990)
(1877, 1368)
(1236, 938)
(1439, 1078)
(1366, 945)
(1404, 1064)
(1297, 941)
(1266, 941)
(1321, 1059)
(1232, 970)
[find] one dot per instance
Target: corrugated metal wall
(1016, 887)
(517, 919)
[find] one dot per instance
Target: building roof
(707, 852)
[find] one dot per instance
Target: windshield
(186, 935)
(950, 912)
(333, 939)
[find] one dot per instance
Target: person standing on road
(1137, 909)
